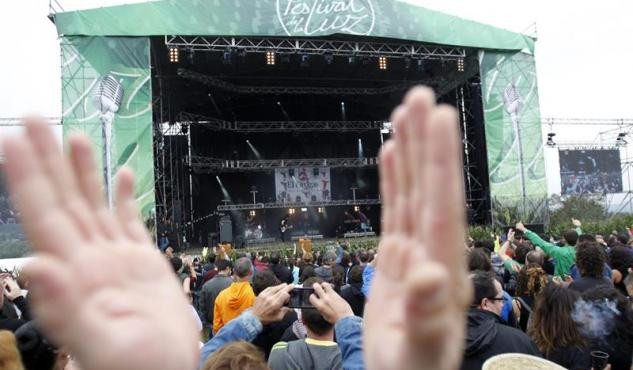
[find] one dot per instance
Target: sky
(584, 55)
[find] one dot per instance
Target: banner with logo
(106, 94)
(516, 162)
(377, 18)
(302, 184)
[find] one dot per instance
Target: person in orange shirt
(236, 298)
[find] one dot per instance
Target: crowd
(104, 296)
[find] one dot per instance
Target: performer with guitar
(284, 226)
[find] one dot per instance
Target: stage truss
(214, 165)
(314, 47)
(276, 205)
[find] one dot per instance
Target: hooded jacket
(356, 299)
(487, 337)
(231, 302)
(305, 354)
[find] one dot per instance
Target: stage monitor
(590, 171)
(302, 184)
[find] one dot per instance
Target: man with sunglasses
(487, 335)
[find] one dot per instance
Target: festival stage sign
(516, 162)
(302, 184)
(590, 171)
(295, 18)
(106, 94)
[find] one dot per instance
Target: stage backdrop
(302, 184)
(107, 93)
(516, 163)
(590, 171)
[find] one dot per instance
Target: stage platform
(287, 249)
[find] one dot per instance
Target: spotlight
(351, 60)
(320, 210)
(620, 141)
(550, 139)
(460, 65)
(382, 63)
(174, 55)
(356, 208)
(227, 57)
(420, 65)
(329, 58)
(270, 58)
(305, 60)
(343, 112)
(304, 210)
(291, 211)
(252, 213)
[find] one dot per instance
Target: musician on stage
(283, 228)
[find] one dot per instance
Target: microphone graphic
(513, 105)
(107, 99)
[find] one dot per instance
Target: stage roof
(282, 18)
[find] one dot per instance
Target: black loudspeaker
(226, 230)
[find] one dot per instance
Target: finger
(318, 290)
(127, 212)
(394, 256)
(90, 184)
(401, 171)
(53, 295)
(444, 220)
(388, 186)
(56, 167)
(47, 226)
(327, 288)
(274, 289)
(283, 294)
(419, 102)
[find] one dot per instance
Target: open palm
(98, 285)
(418, 298)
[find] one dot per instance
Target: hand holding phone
(300, 298)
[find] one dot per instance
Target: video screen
(590, 172)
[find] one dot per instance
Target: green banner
(106, 94)
(516, 162)
(377, 18)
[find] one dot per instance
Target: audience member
(236, 298)
(212, 288)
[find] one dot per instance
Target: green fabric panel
(508, 140)
(379, 18)
(85, 60)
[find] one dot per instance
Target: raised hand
(576, 222)
(419, 295)
(98, 285)
(519, 226)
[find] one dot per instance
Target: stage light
(387, 127)
(304, 210)
(407, 63)
(270, 58)
(227, 57)
(190, 55)
(254, 150)
(360, 149)
(174, 55)
(382, 63)
(320, 210)
(329, 58)
(620, 141)
(420, 64)
(291, 211)
(351, 60)
(252, 213)
(550, 140)
(460, 65)
(305, 60)
(356, 208)
(343, 113)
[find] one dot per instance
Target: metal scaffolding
(305, 90)
(274, 205)
(314, 47)
(215, 165)
(278, 126)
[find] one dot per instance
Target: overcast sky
(584, 55)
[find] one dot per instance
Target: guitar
(284, 227)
